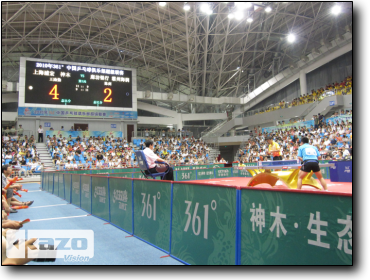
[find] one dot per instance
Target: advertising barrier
(152, 212)
(205, 174)
(100, 197)
(295, 228)
(185, 175)
(56, 184)
(342, 171)
(76, 190)
(86, 193)
(123, 175)
(223, 172)
(51, 182)
(204, 224)
(120, 197)
(68, 187)
(60, 192)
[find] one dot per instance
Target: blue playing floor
(111, 245)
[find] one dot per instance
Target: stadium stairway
(45, 156)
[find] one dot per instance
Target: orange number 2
(109, 91)
(54, 91)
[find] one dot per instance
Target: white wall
(205, 116)
(9, 97)
(8, 116)
(156, 120)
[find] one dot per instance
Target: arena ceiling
(173, 50)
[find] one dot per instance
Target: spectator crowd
(110, 152)
(333, 140)
(21, 153)
(343, 88)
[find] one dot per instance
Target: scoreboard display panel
(71, 84)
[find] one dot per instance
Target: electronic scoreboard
(64, 83)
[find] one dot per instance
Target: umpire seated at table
(151, 158)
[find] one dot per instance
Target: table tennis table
(286, 171)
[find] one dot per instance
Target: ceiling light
(162, 4)
(336, 9)
(186, 7)
(209, 12)
(230, 16)
(238, 15)
(249, 19)
(291, 38)
(204, 8)
(243, 5)
(268, 9)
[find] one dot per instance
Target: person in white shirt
(41, 134)
(151, 158)
(68, 165)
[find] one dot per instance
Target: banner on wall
(87, 134)
(338, 119)
(288, 126)
(76, 113)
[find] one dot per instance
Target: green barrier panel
(199, 167)
(68, 186)
(203, 224)
(51, 182)
(46, 179)
(76, 190)
(224, 172)
(86, 193)
(123, 175)
(56, 183)
(291, 228)
(324, 172)
(120, 194)
(205, 174)
(185, 175)
(82, 171)
(152, 212)
(250, 163)
(125, 170)
(100, 199)
(175, 168)
(138, 175)
(43, 180)
(244, 173)
(219, 165)
(60, 192)
(100, 171)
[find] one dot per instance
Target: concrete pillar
(303, 82)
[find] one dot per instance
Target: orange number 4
(109, 91)
(54, 91)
